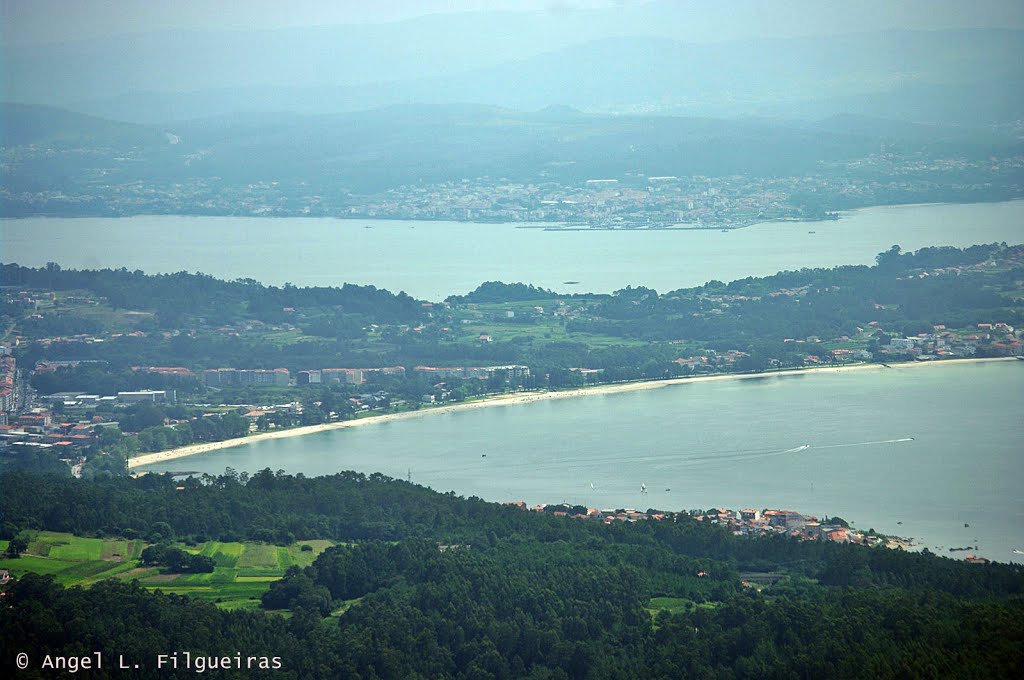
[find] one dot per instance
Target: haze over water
(916, 451)
(432, 260)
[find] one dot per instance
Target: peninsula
(111, 370)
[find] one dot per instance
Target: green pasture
(242, 573)
(74, 560)
(672, 605)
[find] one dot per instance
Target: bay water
(432, 260)
(935, 453)
(931, 452)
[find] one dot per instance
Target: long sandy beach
(520, 398)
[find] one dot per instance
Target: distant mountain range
(965, 76)
(374, 150)
(24, 124)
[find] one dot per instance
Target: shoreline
(540, 224)
(146, 459)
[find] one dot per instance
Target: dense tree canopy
(175, 297)
(432, 585)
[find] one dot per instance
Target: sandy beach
(522, 398)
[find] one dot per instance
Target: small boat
(1018, 552)
(966, 525)
(812, 232)
(483, 455)
(668, 489)
(643, 488)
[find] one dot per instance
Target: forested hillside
(434, 585)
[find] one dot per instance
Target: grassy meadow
(243, 570)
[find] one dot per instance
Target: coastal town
(74, 425)
(626, 199)
(69, 424)
(637, 201)
(747, 522)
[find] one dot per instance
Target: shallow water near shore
(913, 451)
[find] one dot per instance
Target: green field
(528, 325)
(223, 554)
(243, 571)
(675, 605)
(672, 605)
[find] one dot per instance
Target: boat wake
(884, 441)
(662, 461)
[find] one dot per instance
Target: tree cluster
(176, 560)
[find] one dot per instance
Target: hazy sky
(39, 21)
(57, 20)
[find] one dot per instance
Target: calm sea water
(698, 445)
(431, 260)
(728, 443)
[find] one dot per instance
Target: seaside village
(745, 522)
(66, 424)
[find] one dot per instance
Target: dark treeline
(175, 297)
(516, 609)
(497, 291)
(832, 302)
(350, 506)
(751, 315)
(483, 619)
(215, 351)
(101, 379)
(433, 585)
(176, 560)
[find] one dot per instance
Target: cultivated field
(243, 570)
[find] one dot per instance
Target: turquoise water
(431, 260)
(725, 443)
